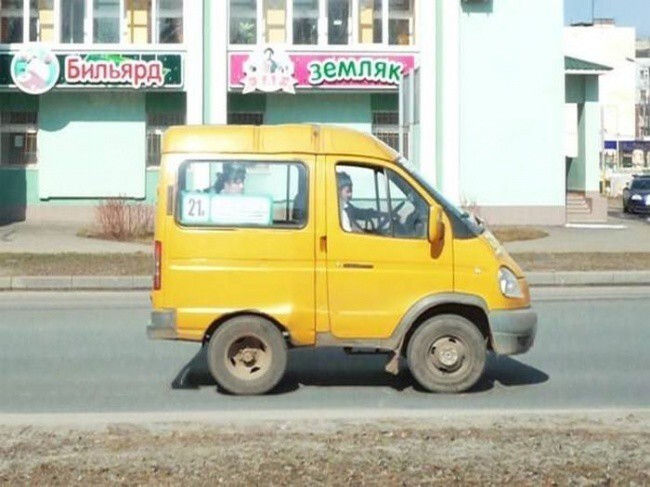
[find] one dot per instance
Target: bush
(119, 220)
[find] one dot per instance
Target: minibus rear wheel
(446, 354)
(247, 355)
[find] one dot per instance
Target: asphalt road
(87, 352)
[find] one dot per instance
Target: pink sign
(318, 70)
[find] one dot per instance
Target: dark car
(636, 197)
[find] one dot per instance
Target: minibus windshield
(462, 220)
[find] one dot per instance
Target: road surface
(88, 353)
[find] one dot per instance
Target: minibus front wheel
(446, 354)
(247, 355)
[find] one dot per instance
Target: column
(426, 33)
(193, 69)
(215, 59)
(448, 154)
(590, 135)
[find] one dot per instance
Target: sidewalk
(622, 233)
(58, 237)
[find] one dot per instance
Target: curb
(144, 283)
(76, 283)
(594, 278)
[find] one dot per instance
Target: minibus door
(379, 260)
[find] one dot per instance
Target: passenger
(231, 180)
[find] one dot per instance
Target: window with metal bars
(245, 118)
(157, 123)
(385, 126)
(21, 118)
(18, 138)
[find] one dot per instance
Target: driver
(350, 213)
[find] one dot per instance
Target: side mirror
(436, 227)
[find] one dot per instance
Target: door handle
(356, 265)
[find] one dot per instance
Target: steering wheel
(369, 224)
(386, 218)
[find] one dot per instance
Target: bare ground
(75, 264)
(477, 450)
(583, 261)
(516, 234)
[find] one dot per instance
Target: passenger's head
(344, 183)
(231, 180)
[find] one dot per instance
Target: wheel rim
(448, 355)
(248, 357)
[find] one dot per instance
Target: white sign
(196, 208)
(240, 210)
(269, 70)
(214, 209)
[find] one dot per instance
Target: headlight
(509, 284)
(636, 197)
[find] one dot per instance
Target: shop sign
(35, 70)
(109, 70)
(268, 70)
(120, 70)
(334, 70)
(632, 145)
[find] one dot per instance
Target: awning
(574, 65)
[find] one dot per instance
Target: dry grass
(75, 264)
(515, 234)
(140, 264)
(391, 453)
(583, 261)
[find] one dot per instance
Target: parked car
(636, 197)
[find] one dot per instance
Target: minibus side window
(411, 219)
(374, 200)
(239, 193)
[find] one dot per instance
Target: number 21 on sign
(195, 208)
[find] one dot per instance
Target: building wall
(512, 111)
(92, 144)
(19, 185)
(489, 152)
(92, 140)
(91, 123)
(614, 47)
(643, 99)
(347, 110)
(19, 199)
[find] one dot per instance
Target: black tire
(446, 354)
(247, 355)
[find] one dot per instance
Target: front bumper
(513, 331)
(163, 325)
(638, 206)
